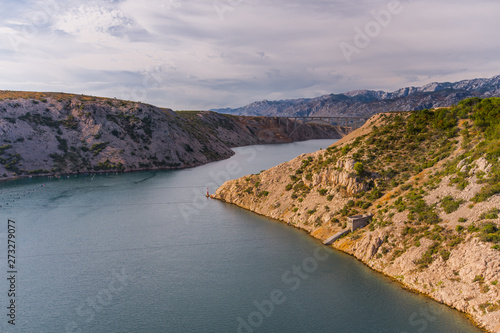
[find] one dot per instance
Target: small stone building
(358, 221)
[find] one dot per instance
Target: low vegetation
(405, 157)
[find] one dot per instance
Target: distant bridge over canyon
(348, 124)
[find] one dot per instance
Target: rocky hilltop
(365, 103)
(430, 178)
(56, 133)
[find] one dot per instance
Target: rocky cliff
(431, 179)
(365, 103)
(52, 133)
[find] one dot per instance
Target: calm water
(147, 252)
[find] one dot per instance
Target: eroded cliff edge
(56, 133)
(432, 181)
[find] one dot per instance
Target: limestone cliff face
(53, 133)
(436, 215)
(342, 175)
(267, 193)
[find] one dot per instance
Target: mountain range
(365, 103)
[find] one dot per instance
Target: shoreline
(49, 175)
(404, 286)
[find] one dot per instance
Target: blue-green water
(147, 252)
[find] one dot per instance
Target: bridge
(349, 124)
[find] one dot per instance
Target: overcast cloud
(200, 54)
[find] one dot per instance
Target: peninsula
(45, 134)
(429, 179)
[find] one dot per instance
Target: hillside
(430, 178)
(365, 103)
(56, 133)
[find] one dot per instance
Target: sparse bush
(263, 194)
(359, 168)
(427, 257)
(445, 254)
(98, 147)
(478, 278)
(449, 204)
(490, 215)
(490, 233)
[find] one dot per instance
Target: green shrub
(478, 278)
(359, 168)
(427, 257)
(486, 192)
(98, 147)
(322, 191)
(4, 148)
(455, 241)
(490, 215)
(366, 205)
(70, 122)
(445, 254)
(408, 231)
(449, 204)
(490, 233)
(374, 194)
(472, 228)
(263, 194)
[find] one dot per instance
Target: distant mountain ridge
(365, 103)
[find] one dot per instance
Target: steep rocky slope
(365, 103)
(431, 179)
(51, 133)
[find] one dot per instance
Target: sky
(203, 54)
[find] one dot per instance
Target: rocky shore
(436, 218)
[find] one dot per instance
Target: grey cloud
(258, 49)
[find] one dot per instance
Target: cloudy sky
(201, 54)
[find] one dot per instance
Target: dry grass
(363, 130)
(13, 95)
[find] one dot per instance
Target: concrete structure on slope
(358, 221)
